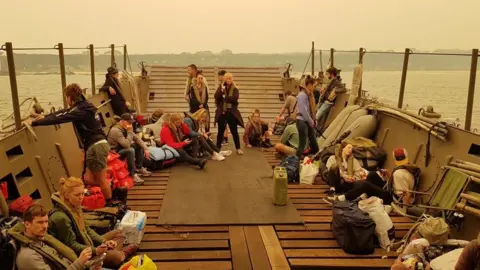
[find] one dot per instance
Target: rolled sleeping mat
(338, 121)
(364, 126)
(343, 125)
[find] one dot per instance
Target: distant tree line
(345, 61)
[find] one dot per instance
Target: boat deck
(252, 247)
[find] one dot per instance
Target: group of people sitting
(61, 239)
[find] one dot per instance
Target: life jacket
(414, 170)
(17, 233)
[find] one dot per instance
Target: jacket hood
(85, 105)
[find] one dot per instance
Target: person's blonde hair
(68, 184)
(228, 74)
(199, 114)
(174, 117)
(256, 111)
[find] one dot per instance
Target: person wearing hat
(328, 96)
(114, 92)
(122, 139)
(404, 176)
(305, 121)
(91, 137)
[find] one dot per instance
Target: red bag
(125, 182)
(94, 199)
(18, 207)
(4, 189)
(112, 156)
(117, 164)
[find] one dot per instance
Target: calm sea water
(445, 90)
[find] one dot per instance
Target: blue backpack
(291, 164)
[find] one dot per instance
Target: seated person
(174, 133)
(256, 132)
(289, 140)
(123, 141)
(344, 171)
(290, 106)
(40, 251)
(195, 122)
(147, 119)
(470, 256)
(67, 224)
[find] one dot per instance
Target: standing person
(198, 97)
(221, 79)
(328, 96)
(226, 99)
(112, 88)
(289, 106)
(90, 135)
(305, 122)
(192, 73)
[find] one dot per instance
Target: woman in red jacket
(174, 134)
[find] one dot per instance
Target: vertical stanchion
(332, 57)
(112, 55)
(92, 67)
(471, 89)
(13, 85)
(361, 53)
(125, 57)
(61, 57)
(313, 58)
(404, 78)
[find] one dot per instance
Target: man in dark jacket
(91, 137)
(112, 88)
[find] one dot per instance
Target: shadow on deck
(252, 247)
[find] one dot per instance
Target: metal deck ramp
(259, 88)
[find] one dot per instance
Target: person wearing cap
(403, 176)
(91, 137)
(128, 145)
(328, 96)
(192, 73)
(305, 121)
(112, 88)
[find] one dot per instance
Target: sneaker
(225, 141)
(143, 172)
(217, 156)
(120, 194)
(130, 250)
(202, 163)
(137, 180)
(239, 152)
(226, 153)
(330, 200)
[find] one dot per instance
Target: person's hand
(85, 255)
(277, 118)
(40, 116)
(146, 153)
(97, 267)
(101, 249)
(129, 128)
(349, 179)
(187, 141)
(112, 91)
(111, 244)
(128, 104)
(206, 135)
(249, 145)
(312, 125)
(201, 106)
(186, 97)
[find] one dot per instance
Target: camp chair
(445, 196)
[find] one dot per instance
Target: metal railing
(9, 49)
(362, 51)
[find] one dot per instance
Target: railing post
(313, 58)
(112, 55)
(361, 53)
(13, 85)
(61, 56)
(471, 90)
(92, 67)
(404, 77)
(125, 57)
(332, 57)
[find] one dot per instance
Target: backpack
(414, 170)
(8, 246)
(353, 228)
(160, 158)
(371, 158)
(435, 230)
(103, 220)
(18, 207)
(94, 198)
(291, 164)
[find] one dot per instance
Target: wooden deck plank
(239, 248)
(178, 236)
(333, 253)
(354, 263)
(274, 249)
(190, 255)
(256, 249)
(177, 245)
(189, 229)
(221, 265)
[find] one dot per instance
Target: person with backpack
(256, 132)
(40, 251)
(194, 122)
(91, 137)
(67, 224)
(129, 146)
(290, 106)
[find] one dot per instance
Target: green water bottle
(280, 186)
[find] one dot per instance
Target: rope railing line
(395, 52)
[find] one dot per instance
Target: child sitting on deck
(256, 132)
(195, 122)
(175, 134)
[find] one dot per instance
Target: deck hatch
(14, 152)
(23, 176)
(474, 150)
